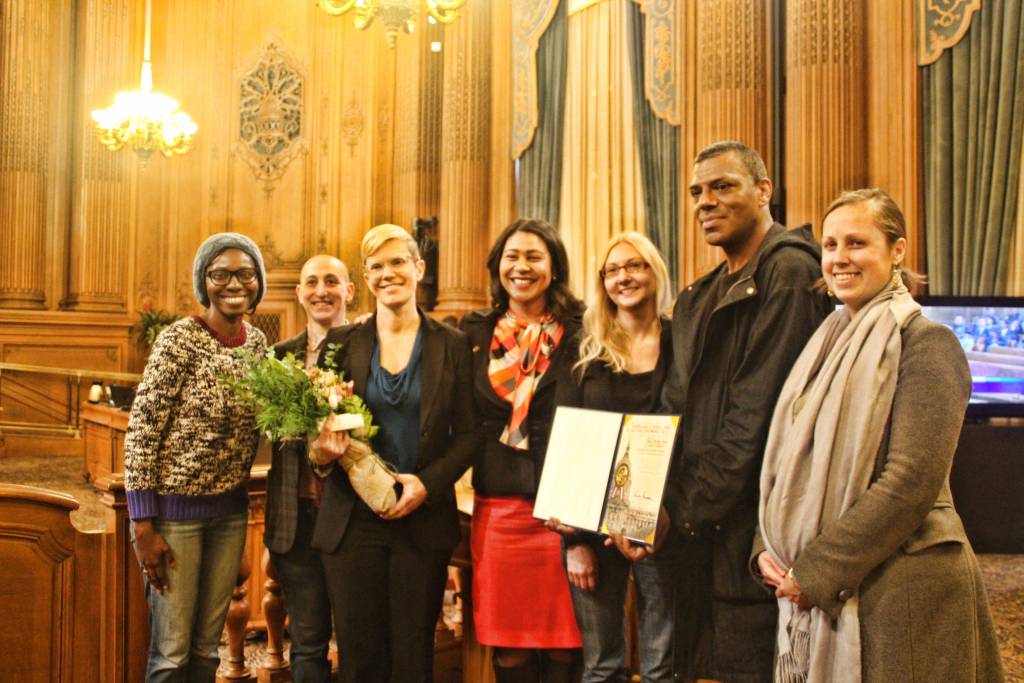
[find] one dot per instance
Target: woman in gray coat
(875, 577)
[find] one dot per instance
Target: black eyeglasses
(631, 267)
(222, 276)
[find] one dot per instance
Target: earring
(831, 294)
(897, 278)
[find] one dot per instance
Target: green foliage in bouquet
(287, 402)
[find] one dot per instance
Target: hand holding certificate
(605, 472)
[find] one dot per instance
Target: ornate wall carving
(940, 25)
(271, 94)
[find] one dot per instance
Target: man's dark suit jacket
(287, 458)
(449, 437)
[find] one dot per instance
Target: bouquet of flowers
(293, 403)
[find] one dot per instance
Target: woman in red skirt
(522, 348)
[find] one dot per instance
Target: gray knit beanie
(211, 249)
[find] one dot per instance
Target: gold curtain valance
(940, 25)
(662, 69)
(530, 18)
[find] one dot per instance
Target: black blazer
(449, 434)
(501, 470)
(287, 459)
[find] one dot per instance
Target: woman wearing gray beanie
(188, 450)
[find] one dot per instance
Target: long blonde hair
(604, 339)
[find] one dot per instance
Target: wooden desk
(103, 429)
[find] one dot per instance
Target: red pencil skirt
(520, 590)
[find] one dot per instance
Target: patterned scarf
(520, 354)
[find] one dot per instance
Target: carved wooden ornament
(270, 113)
(940, 25)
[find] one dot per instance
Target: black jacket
(500, 470)
(731, 355)
(727, 374)
(449, 434)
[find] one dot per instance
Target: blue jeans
(305, 592)
(186, 620)
(599, 614)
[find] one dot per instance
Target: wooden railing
(48, 398)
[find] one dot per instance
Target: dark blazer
(449, 437)
(287, 459)
(500, 470)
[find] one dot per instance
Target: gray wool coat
(923, 609)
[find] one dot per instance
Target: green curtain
(658, 143)
(539, 172)
(973, 115)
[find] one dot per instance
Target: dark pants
(386, 594)
(305, 592)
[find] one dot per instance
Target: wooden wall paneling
(103, 183)
(465, 161)
(726, 90)
(383, 126)
(502, 189)
(894, 142)
(35, 76)
(419, 73)
(826, 105)
(328, 133)
(354, 163)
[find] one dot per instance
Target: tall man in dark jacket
(324, 291)
(735, 334)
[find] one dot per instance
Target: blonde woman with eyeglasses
(625, 351)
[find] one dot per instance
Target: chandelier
(145, 120)
(395, 14)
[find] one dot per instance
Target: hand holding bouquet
(291, 402)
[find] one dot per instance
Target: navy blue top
(394, 401)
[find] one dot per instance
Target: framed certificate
(605, 472)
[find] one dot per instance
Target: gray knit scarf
(824, 438)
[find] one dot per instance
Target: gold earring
(897, 278)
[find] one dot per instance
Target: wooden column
(465, 161)
(103, 185)
(894, 116)
(35, 77)
(826, 108)
(725, 77)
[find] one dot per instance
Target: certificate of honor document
(605, 472)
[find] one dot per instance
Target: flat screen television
(991, 332)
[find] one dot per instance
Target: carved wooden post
(274, 667)
(238, 617)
